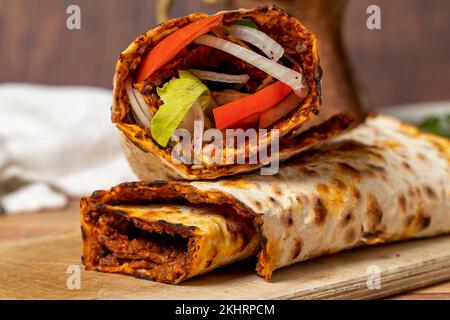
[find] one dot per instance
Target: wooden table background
(406, 61)
(29, 225)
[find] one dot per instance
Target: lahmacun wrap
(384, 181)
(242, 69)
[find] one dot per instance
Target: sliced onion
(280, 110)
(136, 109)
(143, 104)
(278, 71)
(220, 77)
(199, 119)
(194, 114)
(259, 39)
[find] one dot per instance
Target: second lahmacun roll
(382, 182)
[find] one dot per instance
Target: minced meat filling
(123, 240)
(204, 58)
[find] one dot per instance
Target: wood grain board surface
(36, 268)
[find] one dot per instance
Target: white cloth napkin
(55, 143)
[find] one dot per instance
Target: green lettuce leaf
(178, 95)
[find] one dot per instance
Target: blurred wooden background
(408, 60)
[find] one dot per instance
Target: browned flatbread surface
(384, 181)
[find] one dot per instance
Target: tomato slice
(280, 110)
(170, 46)
(235, 114)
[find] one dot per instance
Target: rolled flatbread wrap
(243, 69)
(384, 181)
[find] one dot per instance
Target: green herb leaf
(439, 125)
(246, 22)
(179, 94)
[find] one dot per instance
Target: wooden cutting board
(36, 268)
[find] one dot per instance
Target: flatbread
(150, 161)
(384, 181)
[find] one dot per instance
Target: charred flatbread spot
(273, 200)
(296, 249)
(347, 218)
(377, 156)
(348, 169)
(430, 192)
(258, 205)
(440, 148)
(157, 183)
(411, 192)
(369, 173)
(418, 192)
(356, 194)
(407, 166)
(277, 190)
(356, 150)
(350, 235)
(339, 184)
(308, 172)
(374, 210)
(421, 157)
(377, 168)
(208, 263)
(401, 199)
(423, 220)
(352, 145)
(288, 219)
(213, 253)
(409, 220)
(322, 188)
(98, 194)
(320, 211)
